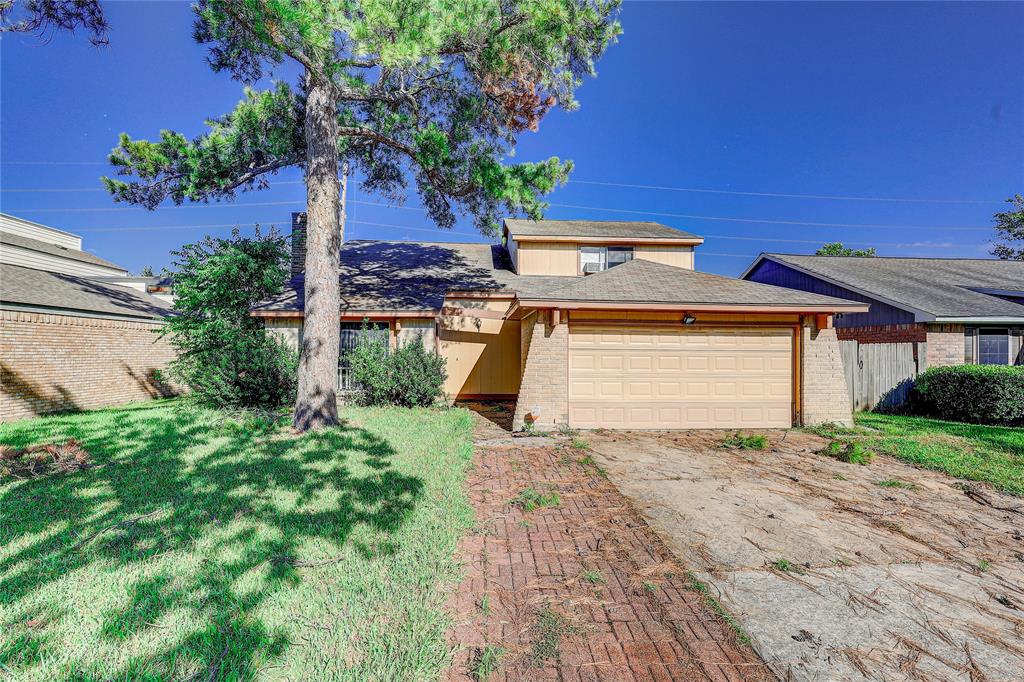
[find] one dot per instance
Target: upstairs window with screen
(597, 258)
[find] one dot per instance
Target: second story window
(598, 258)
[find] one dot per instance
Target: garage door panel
(626, 377)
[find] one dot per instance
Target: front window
(993, 346)
(598, 258)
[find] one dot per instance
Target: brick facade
(57, 363)
(825, 396)
(886, 333)
(544, 390)
(945, 345)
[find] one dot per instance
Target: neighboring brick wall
(887, 333)
(545, 382)
(58, 363)
(824, 393)
(945, 345)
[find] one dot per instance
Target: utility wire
(663, 188)
(766, 221)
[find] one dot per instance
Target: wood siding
(677, 256)
(771, 272)
(547, 258)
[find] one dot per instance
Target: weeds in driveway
(530, 499)
(697, 585)
(592, 577)
(786, 566)
(742, 442)
(580, 444)
(984, 565)
(485, 663)
(849, 451)
(549, 628)
(896, 483)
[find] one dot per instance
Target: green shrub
(251, 371)
(979, 394)
(410, 376)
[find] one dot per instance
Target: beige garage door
(680, 378)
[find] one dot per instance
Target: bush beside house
(980, 394)
(409, 376)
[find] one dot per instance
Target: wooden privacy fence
(879, 375)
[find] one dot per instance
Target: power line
(664, 188)
(763, 221)
(789, 196)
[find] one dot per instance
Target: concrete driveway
(831, 574)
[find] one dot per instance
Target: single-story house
(594, 325)
(70, 336)
(954, 310)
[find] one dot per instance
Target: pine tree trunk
(316, 402)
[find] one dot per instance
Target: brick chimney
(298, 244)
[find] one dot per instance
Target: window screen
(993, 347)
(617, 255)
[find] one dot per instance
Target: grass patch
(485, 663)
(580, 444)
(984, 565)
(785, 565)
(849, 451)
(712, 602)
(592, 577)
(991, 454)
(738, 440)
(896, 483)
(549, 628)
(530, 499)
(198, 548)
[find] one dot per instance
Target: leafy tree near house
(1010, 229)
(837, 249)
(426, 92)
(146, 271)
(224, 354)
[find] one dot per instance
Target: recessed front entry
(623, 377)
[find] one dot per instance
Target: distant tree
(1010, 227)
(224, 354)
(146, 271)
(425, 90)
(43, 16)
(837, 249)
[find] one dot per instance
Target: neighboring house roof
(42, 290)
(943, 289)
(54, 250)
(643, 281)
(416, 276)
(598, 229)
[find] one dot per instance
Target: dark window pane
(993, 347)
(617, 255)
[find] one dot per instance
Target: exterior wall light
(689, 319)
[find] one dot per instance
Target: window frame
(603, 251)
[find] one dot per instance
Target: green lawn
(992, 454)
(202, 548)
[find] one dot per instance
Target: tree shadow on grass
(171, 482)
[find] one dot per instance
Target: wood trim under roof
(652, 241)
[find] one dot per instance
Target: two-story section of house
(591, 324)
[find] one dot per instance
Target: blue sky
(913, 101)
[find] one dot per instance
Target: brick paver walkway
(580, 590)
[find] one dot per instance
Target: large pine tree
(432, 91)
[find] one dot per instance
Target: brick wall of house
(886, 333)
(825, 396)
(58, 363)
(545, 381)
(945, 345)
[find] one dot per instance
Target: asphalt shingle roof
(640, 280)
(380, 275)
(938, 286)
(54, 250)
(609, 229)
(39, 288)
